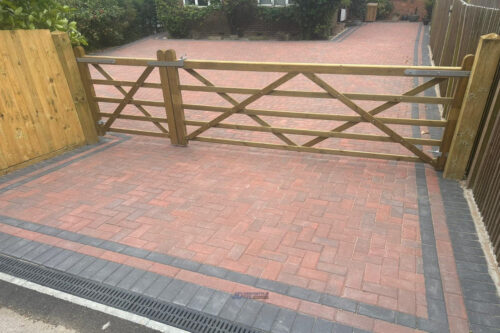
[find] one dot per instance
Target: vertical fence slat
(70, 68)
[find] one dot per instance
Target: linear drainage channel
(163, 312)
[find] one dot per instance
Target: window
(275, 2)
(196, 2)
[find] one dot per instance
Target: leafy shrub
(113, 22)
(39, 14)
(240, 14)
(276, 14)
(384, 8)
(315, 17)
(178, 19)
(429, 6)
(357, 9)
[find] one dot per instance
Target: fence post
(89, 88)
(454, 113)
(480, 82)
(76, 87)
(172, 96)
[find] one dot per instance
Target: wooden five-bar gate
(174, 125)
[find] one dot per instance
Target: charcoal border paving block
(21, 252)
(272, 286)
(112, 246)
(323, 326)
(156, 288)
(119, 274)
(232, 308)
(92, 241)
(106, 271)
(431, 326)
(68, 235)
(434, 288)
(339, 328)
(47, 255)
(212, 271)
(216, 303)
(302, 323)
(200, 299)
(81, 265)
(45, 229)
(305, 294)
(59, 258)
(284, 321)
(160, 258)
(3, 237)
(15, 246)
(377, 312)
(248, 313)
(135, 252)
(129, 280)
(69, 261)
(483, 296)
(486, 308)
(437, 310)
(186, 294)
(8, 242)
(406, 320)
(144, 282)
(484, 320)
(185, 264)
(241, 278)
(266, 317)
(338, 302)
(482, 329)
(92, 269)
(173, 288)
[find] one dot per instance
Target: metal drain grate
(170, 314)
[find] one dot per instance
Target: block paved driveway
(341, 244)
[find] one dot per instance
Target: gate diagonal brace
(124, 93)
(128, 97)
(370, 118)
(243, 104)
(378, 110)
(234, 102)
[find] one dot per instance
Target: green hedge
(113, 22)
(313, 17)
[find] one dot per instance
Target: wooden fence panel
(456, 28)
(38, 114)
(484, 175)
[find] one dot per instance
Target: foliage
(179, 20)
(39, 14)
(276, 14)
(429, 6)
(113, 22)
(384, 8)
(240, 14)
(315, 17)
(357, 9)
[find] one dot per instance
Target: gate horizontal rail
(169, 67)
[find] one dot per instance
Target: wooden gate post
(476, 95)
(76, 85)
(172, 97)
(89, 88)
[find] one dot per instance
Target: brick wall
(407, 7)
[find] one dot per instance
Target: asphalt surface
(25, 310)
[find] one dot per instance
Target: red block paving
(344, 226)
